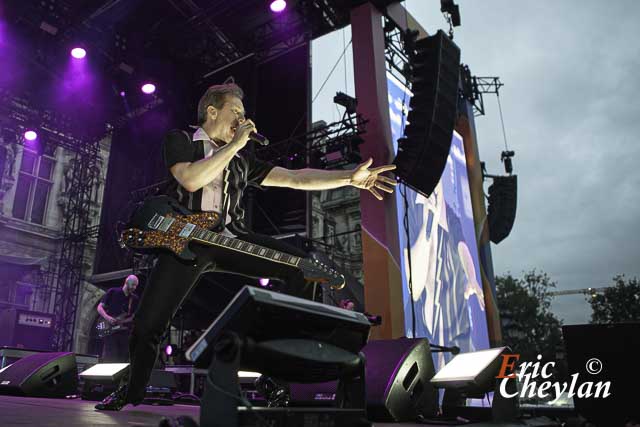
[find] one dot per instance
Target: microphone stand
(442, 349)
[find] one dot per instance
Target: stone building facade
(34, 188)
(335, 216)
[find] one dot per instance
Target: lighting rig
(473, 89)
(397, 43)
(326, 146)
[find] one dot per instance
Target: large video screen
(447, 289)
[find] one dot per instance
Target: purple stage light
(264, 282)
(168, 350)
(30, 135)
(278, 6)
(78, 52)
(122, 93)
(148, 88)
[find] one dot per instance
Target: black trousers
(171, 281)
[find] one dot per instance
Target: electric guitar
(162, 223)
(104, 328)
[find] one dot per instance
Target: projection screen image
(447, 290)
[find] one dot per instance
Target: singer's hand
(372, 180)
(241, 135)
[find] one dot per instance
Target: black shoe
(277, 394)
(115, 401)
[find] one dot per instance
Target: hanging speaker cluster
(423, 151)
(503, 197)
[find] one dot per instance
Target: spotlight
(506, 159)
(122, 93)
(264, 282)
(278, 6)
(78, 52)
(168, 350)
(30, 135)
(348, 102)
(102, 379)
(450, 7)
(148, 88)
(105, 371)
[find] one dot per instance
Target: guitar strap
(130, 303)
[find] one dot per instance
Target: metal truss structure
(474, 87)
(66, 273)
(331, 145)
(396, 51)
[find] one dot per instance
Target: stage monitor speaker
(266, 316)
(41, 375)
(423, 151)
(503, 199)
(397, 380)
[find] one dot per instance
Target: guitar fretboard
(213, 238)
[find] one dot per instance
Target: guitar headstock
(316, 271)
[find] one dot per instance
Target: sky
(572, 115)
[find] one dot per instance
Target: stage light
(348, 102)
(30, 135)
(470, 371)
(122, 93)
(278, 6)
(264, 282)
(78, 52)
(105, 371)
(168, 350)
(148, 88)
(248, 374)
(102, 379)
(451, 8)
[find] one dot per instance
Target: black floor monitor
(265, 315)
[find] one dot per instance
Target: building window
(34, 185)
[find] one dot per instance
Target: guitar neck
(216, 239)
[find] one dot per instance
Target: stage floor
(30, 411)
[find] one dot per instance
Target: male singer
(209, 171)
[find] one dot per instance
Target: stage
(29, 411)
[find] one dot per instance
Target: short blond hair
(216, 96)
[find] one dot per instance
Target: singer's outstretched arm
(316, 179)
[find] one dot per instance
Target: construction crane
(585, 291)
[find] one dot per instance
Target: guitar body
(143, 237)
(161, 223)
(105, 329)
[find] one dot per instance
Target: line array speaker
(423, 151)
(503, 197)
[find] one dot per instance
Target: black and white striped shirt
(244, 169)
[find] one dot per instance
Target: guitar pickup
(187, 230)
(155, 221)
(166, 224)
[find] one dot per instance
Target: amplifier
(26, 329)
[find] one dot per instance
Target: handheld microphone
(260, 139)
